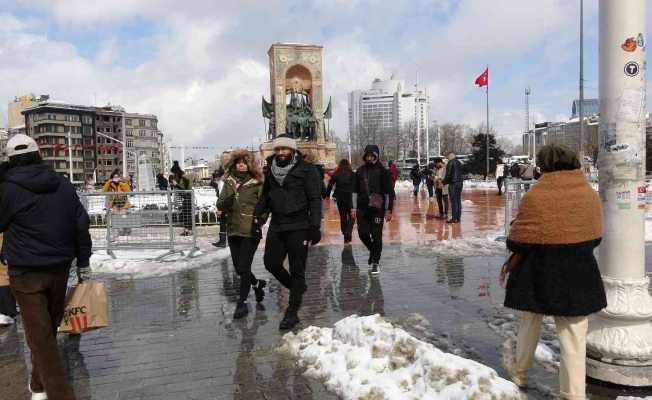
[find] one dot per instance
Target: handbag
(512, 262)
(86, 308)
(375, 200)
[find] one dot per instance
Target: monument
(296, 105)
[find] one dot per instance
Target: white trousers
(572, 339)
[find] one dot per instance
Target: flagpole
(487, 132)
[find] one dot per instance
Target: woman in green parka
(243, 184)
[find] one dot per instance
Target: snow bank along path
(367, 358)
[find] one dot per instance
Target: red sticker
(642, 189)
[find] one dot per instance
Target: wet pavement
(173, 337)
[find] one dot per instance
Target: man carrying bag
(45, 228)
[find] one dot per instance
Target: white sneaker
(6, 320)
(375, 269)
(37, 396)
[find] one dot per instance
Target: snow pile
(633, 398)
(368, 358)
(471, 247)
(145, 263)
(467, 203)
(403, 186)
(481, 185)
(648, 229)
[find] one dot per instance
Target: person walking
(45, 228)
(515, 170)
(500, 177)
(429, 174)
(373, 202)
(553, 270)
(216, 183)
(178, 181)
(342, 180)
(455, 181)
(292, 194)
(441, 190)
(242, 189)
(415, 175)
(161, 182)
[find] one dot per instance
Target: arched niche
(298, 79)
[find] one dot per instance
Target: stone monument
(297, 107)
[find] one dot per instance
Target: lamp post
(124, 154)
(619, 342)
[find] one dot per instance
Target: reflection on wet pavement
(173, 337)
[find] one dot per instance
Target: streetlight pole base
(619, 341)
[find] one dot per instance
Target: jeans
(370, 230)
(499, 182)
(346, 222)
(416, 189)
(242, 254)
(442, 202)
(41, 297)
(431, 187)
(455, 193)
(294, 245)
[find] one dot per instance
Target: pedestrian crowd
(551, 269)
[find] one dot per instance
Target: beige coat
(441, 174)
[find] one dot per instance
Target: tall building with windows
(143, 141)
(4, 137)
(387, 106)
(108, 124)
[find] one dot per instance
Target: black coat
(373, 179)
(561, 280)
(515, 171)
(454, 172)
(342, 180)
(44, 222)
(415, 175)
(297, 204)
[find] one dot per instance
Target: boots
(259, 290)
(290, 320)
(241, 310)
(222, 242)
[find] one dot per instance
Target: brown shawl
(562, 208)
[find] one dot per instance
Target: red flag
(483, 79)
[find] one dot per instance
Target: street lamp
(124, 154)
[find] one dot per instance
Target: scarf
(279, 172)
(241, 177)
(562, 208)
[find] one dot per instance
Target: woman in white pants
(553, 270)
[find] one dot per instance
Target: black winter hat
(373, 149)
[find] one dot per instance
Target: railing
(514, 191)
(161, 220)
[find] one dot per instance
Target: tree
(477, 163)
(454, 138)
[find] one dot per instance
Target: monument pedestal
(324, 151)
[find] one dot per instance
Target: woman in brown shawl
(558, 226)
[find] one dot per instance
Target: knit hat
(284, 141)
(21, 144)
(371, 149)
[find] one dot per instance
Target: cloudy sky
(201, 65)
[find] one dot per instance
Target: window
(106, 118)
(127, 121)
(130, 132)
(108, 129)
(141, 122)
(130, 143)
(141, 133)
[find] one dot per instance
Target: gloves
(257, 228)
(314, 235)
(83, 273)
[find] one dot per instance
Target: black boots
(241, 310)
(290, 320)
(222, 242)
(259, 290)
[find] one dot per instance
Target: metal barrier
(161, 220)
(514, 191)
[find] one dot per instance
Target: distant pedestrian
(161, 182)
(292, 194)
(45, 228)
(429, 174)
(117, 204)
(242, 189)
(455, 181)
(515, 171)
(553, 270)
(500, 177)
(416, 177)
(441, 190)
(217, 182)
(342, 181)
(178, 181)
(373, 201)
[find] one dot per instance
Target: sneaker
(6, 320)
(37, 396)
(290, 320)
(221, 243)
(375, 269)
(241, 311)
(259, 290)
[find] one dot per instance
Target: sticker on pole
(632, 68)
(642, 193)
(629, 45)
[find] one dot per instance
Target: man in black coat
(373, 201)
(46, 228)
(455, 181)
(292, 194)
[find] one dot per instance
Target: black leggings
(242, 254)
(370, 230)
(346, 222)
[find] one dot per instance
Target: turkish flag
(483, 79)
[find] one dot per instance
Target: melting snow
(368, 358)
(472, 247)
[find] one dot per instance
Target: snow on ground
(403, 186)
(633, 398)
(482, 185)
(144, 263)
(368, 358)
(471, 247)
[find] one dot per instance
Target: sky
(201, 65)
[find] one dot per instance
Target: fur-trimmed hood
(238, 154)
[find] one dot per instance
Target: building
(143, 140)
(15, 118)
(590, 107)
(197, 170)
(4, 137)
(66, 135)
(109, 135)
(387, 106)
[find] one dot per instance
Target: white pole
(124, 146)
(619, 343)
(70, 153)
(426, 119)
(416, 115)
(581, 105)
